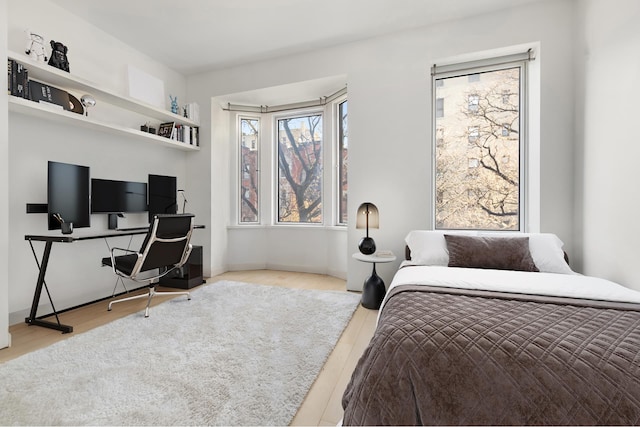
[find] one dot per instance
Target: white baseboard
(245, 267)
(19, 316)
(286, 267)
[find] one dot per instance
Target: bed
(509, 336)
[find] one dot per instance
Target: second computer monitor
(110, 196)
(163, 192)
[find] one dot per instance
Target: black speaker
(187, 276)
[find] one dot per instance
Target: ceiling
(193, 36)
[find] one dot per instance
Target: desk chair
(165, 248)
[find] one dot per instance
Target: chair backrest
(167, 244)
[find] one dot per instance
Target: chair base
(152, 292)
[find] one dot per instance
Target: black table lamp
(367, 218)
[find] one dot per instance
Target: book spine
(14, 78)
(186, 137)
(27, 92)
(192, 111)
(9, 67)
(20, 79)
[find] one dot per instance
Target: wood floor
(322, 405)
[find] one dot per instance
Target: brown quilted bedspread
(452, 357)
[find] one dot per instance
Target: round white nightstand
(374, 290)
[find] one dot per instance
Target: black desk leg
(32, 319)
(373, 291)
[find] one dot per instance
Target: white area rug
(236, 354)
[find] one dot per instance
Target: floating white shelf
(53, 113)
(50, 75)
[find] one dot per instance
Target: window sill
(339, 228)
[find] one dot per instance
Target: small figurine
(35, 47)
(174, 104)
(59, 56)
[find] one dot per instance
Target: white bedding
(547, 284)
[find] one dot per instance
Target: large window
(249, 170)
(299, 141)
(480, 147)
(343, 161)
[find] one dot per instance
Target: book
(192, 111)
(186, 134)
(166, 129)
(194, 136)
(22, 81)
(40, 92)
(27, 90)
(17, 79)
(50, 105)
(10, 63)
(384, 254)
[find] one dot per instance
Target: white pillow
(546, 251)
(430, 248)
(427, 247)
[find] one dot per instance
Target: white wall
(74, 275)
(389, 121)
(93, 54)
(606, 123)
(317, 250)
(4, 192)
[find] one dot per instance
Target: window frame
(337, 163)
(275, 198)
(489, 64)
(240, 172)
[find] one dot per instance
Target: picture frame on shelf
(166, 129)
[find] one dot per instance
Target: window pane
(477, 172)
(300, 169)
(474, 102)
(343, 153)
(249, 129)
(439, 107)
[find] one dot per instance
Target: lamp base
(367, 246)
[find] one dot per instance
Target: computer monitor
(163, 192)
(68, 194)
(111, 196)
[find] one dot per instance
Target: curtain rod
(320, 102)
(529, 55)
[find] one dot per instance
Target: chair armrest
(123, 250)
(113, 255)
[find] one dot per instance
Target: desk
(49, 240)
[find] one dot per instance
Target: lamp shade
(367, 216)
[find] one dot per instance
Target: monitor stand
(113, 220)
